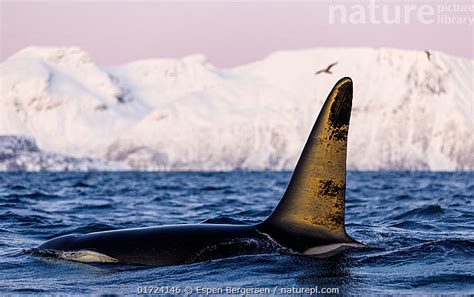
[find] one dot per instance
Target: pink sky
(229, 33)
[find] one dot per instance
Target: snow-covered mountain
(409, 112)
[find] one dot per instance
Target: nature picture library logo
(402, 12)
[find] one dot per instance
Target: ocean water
(419, 228)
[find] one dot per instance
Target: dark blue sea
(419, 228)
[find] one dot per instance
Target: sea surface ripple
(419, 228)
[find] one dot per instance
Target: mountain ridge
(409, 112)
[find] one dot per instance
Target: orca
(309, 219)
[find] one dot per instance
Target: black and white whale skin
(309, 219)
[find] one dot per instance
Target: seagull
(428, 54)
(327, 70)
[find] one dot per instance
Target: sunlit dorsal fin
(314, 200)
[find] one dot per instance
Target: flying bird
(428, 54)
(327, 70)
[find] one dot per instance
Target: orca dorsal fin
(313, 203)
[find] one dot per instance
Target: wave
(95, 227)
(88, 207)
(446, 247)
(81, 184)
(13, 217)
(444, 278)
(214, 188)
(427, 211)
(17, 187)
(223, 220)
(31, 195)
(410, 225)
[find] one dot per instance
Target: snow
(409, 113)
